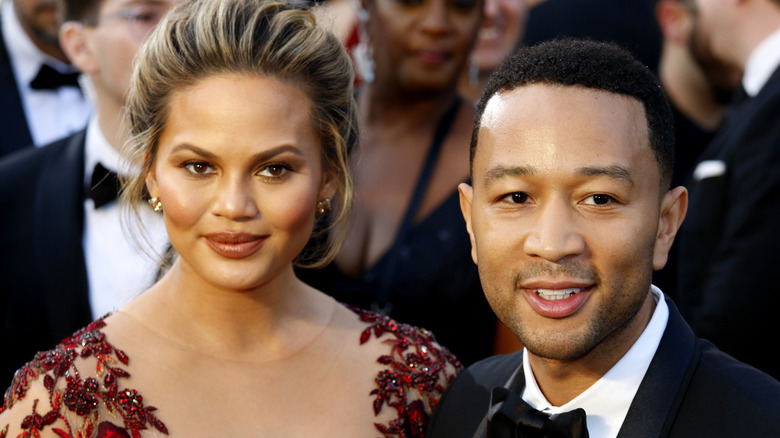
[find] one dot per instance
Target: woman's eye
(599, 199)
(199, 168)
(273, 171)
(517, 197)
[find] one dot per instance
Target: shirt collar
(27, 57)
(763, 61)
(98, 150)
(607, 401)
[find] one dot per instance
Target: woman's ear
(151, 184)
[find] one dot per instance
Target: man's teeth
(557, 294)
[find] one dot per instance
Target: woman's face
(238, 171)
(502, 26)
(422, 44)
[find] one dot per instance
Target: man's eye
(517, 197)
(599, 199)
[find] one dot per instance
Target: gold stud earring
(156, 204)
(323, 206)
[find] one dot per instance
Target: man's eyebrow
(499, 172)
(613, 172)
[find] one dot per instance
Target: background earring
(156, 204)
(323, 206)
(363, 53)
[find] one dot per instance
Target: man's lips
(235, 245)
(557, 300)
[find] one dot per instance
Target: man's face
(564, 214)
(39, 19)
(722, 78)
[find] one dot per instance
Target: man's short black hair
(590, 64)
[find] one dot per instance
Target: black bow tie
(104, 187)
(511, 417)
(50, 79)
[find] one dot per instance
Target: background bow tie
(50, 79)
(511, 417)
(104, 187)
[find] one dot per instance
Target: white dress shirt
(607, 401)
(761, 63)
(120, 264)
(50, 114)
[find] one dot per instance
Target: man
(66, 257)
(699, 87)
(569, 213)
(40, 98)
(728, 247)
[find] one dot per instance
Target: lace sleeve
(76, 390)
(418, 371)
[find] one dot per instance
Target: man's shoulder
(30, 160)
(465, 402)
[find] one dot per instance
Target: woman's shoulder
(415, 371)
(76, 389)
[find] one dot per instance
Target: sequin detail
(417, 374)
(83, 397)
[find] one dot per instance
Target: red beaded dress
(84, 387)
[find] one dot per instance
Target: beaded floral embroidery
(416, 376)
(416, 364)
(83, 397)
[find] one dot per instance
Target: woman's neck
(254, 325)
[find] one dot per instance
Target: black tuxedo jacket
(727, 287)
(691, 389)
(43, 280)
(13, 123)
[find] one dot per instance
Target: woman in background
(240, 111)
(407, 253)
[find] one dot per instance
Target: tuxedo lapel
(59, 223)
(13, 123)
(658, 399)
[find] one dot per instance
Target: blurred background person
(699, 87)
(240, 112)
(40, 98)
(68, 259)
(727, 249)
(407, 253)
(631, 24)
(500, 33)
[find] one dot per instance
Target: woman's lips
(235, 245)
(433, 56)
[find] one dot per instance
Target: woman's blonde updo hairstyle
(202, 38)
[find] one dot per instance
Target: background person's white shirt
(50, 114)
(119, 266)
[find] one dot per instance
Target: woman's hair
(202, 38)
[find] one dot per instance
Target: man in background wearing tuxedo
(728, 246)
(67, 258)
(40, 97)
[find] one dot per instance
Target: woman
(240, 112)
(501, 31)
(407, 253)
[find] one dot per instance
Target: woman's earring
(323, 206)
(473, 71)
(156, 204)
(363, 53)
